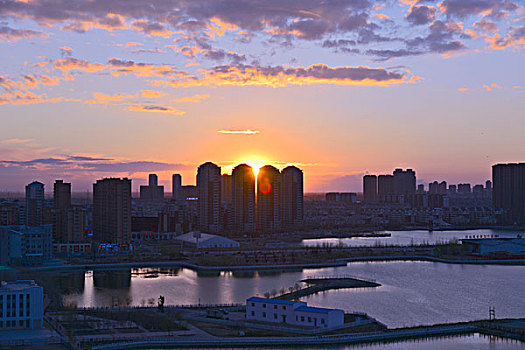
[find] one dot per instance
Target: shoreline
(338, 263)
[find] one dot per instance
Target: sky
(123, 88)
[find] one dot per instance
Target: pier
(325, 283)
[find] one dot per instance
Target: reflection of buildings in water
(275, 272)
(154, 272)
(70, 282)
(112, 279)
(244, 273)
(211, 273)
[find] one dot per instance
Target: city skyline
(338, 89)
(166, 185)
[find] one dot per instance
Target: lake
(409, 237)
(411, 293)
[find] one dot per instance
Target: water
(465, 342)
(408, 237)
(412, 293)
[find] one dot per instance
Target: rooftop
(319, 310)
(275, 301)
(495, 241)
(17, 285)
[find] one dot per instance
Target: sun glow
(256, 164)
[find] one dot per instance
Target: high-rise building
(152, 192)
(385, 186)
(61, 207)
(464, 189)
(112, 210)
(243, 198)
(61, 195)
(268, 199)
(420, 189)
(69, 220)
(153, 180)
(292, 197)
(176, 183)
(34, 204)
(370, 188)
(226, 188)
(404, 182)
(209, 187)
(508, 191)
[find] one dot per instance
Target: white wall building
(494, 246)
(292, 312)
(206, 241)
(21, 305)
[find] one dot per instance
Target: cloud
(343, 45)
(80, 164)
(146, 51)
(152, 93)
(309, 19)
(66, 51)
(26, 97)
(17, 141)
(13, 34)
(491, 86)
(194, 98)
(220, 55)
(466, 8)
(100, 98)
(66, 65)
(151, 28)
(239, 131)
(463, 89)
(486, 26)
(279, 76)
(515, 37)
(421, 14)
(156, 109)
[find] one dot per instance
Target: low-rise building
(21, 305)
(29, 244)
(296, 313)
(201, 240)
(494, 246)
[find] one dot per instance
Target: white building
(293, 313)
(21, 305)
(206, 241)
(494, 246)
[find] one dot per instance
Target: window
(275, 307)
(253, 313)
(264, 314)
(322, 320)
(302, 318)
(297, 318)
(253, 304)
(309, 319)
(284, 307)
(264, 306)
(274, 316)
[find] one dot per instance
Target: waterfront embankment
(338, 262)
(328, 340)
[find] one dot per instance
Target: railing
(137, 307)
